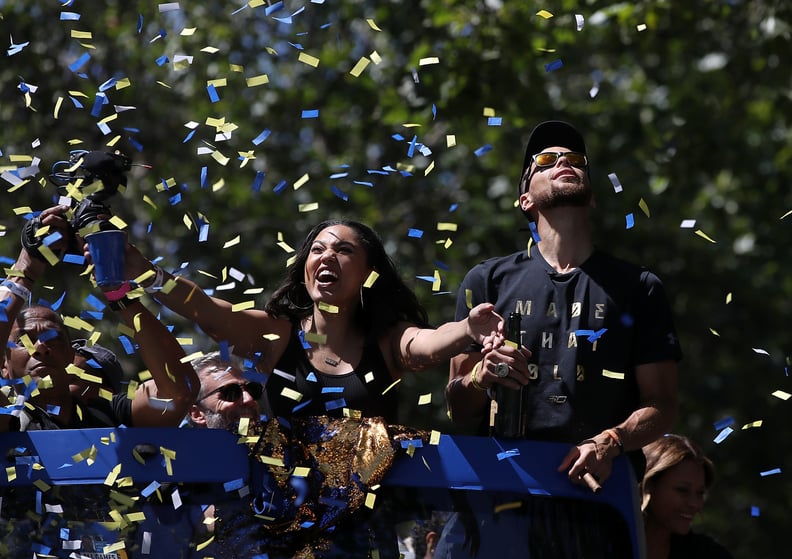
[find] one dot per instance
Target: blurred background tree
(260, 119)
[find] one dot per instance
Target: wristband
(614, 435)
(121, 304)
(474, 380)
(119, 293)
(19, 290)
(156, 283)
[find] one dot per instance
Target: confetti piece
(722, 435)
(553, 66)
(428, 60)
(644, 207)
(752, 425)
(372, 277)
(508, 454)
(687, 224)
(424, 399)
(544, 14)
(617, 187)
(770, 472)
(373, 24)
(760, 351)
(579, 21)
(641, 27)
(629, 220)
(361, 65)
(612, 374)
(704, 236)
(256, 81)
(308, 59)
(755, 511)
(781, 395)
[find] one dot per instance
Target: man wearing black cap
(597, 367)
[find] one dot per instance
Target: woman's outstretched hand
(485, 326)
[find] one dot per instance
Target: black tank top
(324, 394)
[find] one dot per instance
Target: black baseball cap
(551, 133)
(102, 361)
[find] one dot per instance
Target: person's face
(677, 496)
(561, 184)
(213, 411)
(336, 267)
(48, 353)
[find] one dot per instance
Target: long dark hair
(386, 302)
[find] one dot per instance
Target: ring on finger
(502, 370)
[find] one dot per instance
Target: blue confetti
(78, 259)
(723, 423)
(280, 187)
(310, 113)
(415, 233)
(770, 472)
(534, 231)
(340, 193)
(258, 181)
(482, 150)
(630, 219)
(755, 511)
(722, 435)
(494, 121)
(261, 137)
(554, 65)
(212, 91)
(80, 62)
(508, 454)
(335, 404)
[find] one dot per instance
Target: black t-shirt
(96, 414)
(696, 546)
(365, 389)
(587, 330)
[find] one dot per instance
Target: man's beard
(575, 194)
(216, 420)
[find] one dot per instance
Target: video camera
(83, 168)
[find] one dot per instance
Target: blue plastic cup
(108, 249)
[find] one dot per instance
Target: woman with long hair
(337, 333)
(674, 487)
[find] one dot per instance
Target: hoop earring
(295, 305)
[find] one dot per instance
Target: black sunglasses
(549, 158)
(233, 392)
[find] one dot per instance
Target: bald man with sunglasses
(597, 362)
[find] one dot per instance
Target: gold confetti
(703, 235)
(361, 65)
(306, 58)
(372, 277)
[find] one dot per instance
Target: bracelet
(614, 435)
(156, 283)
(474, 380)
(19, 290)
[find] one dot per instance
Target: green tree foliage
(688, 104)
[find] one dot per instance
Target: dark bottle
(508, 416)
